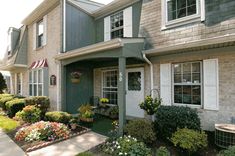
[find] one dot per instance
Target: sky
(12, 12)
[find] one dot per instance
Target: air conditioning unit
(224, 135)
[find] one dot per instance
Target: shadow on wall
(218, 11)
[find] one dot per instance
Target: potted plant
(104, 102)
(86, 113)
(75, 77)
(113, 114)
(73, 123)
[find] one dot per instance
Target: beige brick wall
(226, 83)
(48, 52)
(150, 27)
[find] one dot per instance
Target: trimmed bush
(189, 140)
(135, 129)
(41, 102)
(162, 151)
(228, 152)
(14, 106)
(30, 114)
(85, 154)
(57, 116)
(169, 118)
(3, 101)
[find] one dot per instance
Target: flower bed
(41, 134)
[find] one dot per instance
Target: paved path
(69, 147)
(8, 146)
(72, 146)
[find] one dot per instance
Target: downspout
(151, 72)
(64, 25)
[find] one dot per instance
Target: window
(181, 8)
(178, 12)
(134, 81)
(18, 84)
(117, 25)
(110, 86)
(40, 32)
(36, 83)
(187, 84)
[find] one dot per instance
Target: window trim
(102, 84)
(37, 83)
(199, 16)
(201, 84)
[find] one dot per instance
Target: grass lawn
(8, 124)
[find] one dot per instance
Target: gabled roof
(87, 5)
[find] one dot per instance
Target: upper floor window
(117, 25)
(178, 12)
(40, 32)
(181, 8)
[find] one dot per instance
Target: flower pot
(73, 80)
(87, 119)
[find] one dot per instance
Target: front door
(135, 92)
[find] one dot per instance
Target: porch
(118, 56)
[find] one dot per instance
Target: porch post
(122, 93)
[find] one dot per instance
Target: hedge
(57, 116)
(169, 118)
(3, 101)
(41, 102)
(14, 106)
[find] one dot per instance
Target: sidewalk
(8, 147)
(72, 146)
(69, 147)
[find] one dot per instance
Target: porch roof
(202, 44)
(120, 47)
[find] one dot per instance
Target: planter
(113, 116)
(73, 80)
(73, 126)
(87, 119)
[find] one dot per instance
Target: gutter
(151, 72)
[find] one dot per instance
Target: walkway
(69, 147)
(8, 146)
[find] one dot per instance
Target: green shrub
(229, 152)
(56, 116)
(135, 129)
(150, 105)
(5, 95)
(126, 145)
(189, 140)
(41, 102)
(15, 106)
(3, 101)
(85, 154)
(169, 118)
(162, 151)
(30, 114)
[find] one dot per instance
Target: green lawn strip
(8, 124)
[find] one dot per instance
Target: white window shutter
(165, 83)
(211, 84)
(34, 36)
(107, 29)
(128, 28)
(44, 30)
(202, 7)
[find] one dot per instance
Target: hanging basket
(73, 80)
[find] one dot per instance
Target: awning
(39, 64)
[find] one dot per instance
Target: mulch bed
(32, 146)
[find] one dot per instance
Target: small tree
(2, 83)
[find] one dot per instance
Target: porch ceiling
(126, 47)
